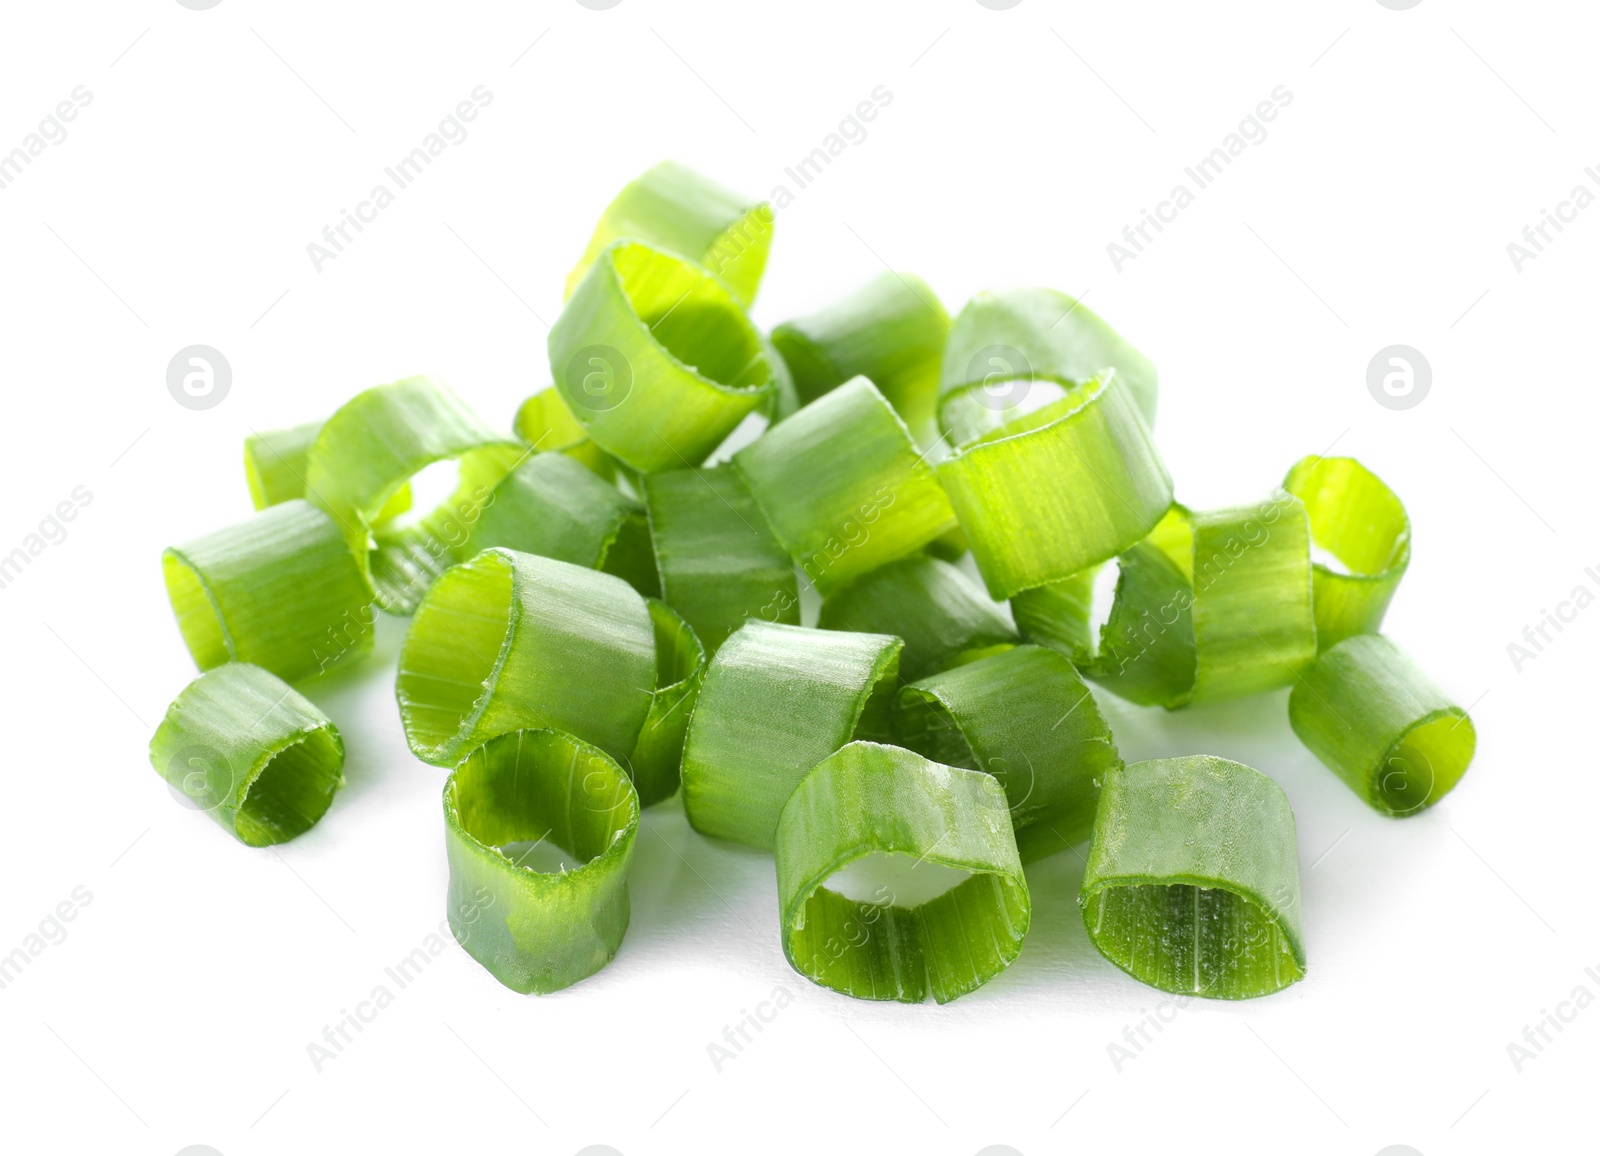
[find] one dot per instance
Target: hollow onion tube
(680, 666)
(372, 446)
(1193, 882)
(843, 487)
(539, 931)
(776, 700)
(552, 506)
(891, 331)
(1058, 490)
(1360, 521)
(510, 640)
(868, 799)
(675, 208)
(281, 591)
(942, 618)
(275, 469)
(718, 561)
(655, 358)
(1378, 722)
(240, 744)
(1026, 717)
(546, 423)
(1002, 340)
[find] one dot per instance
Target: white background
(1018, 143)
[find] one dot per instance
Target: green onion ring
(866, 799)
(1193, 881)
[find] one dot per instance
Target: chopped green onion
(511, 640)
(538, 931)
(552, 506)
(672, 207)
(281, 591)
(775, 702)
(718, 561)
(370, 448)
(1058, 490)
(1193, 880)
(546, 422)
(1378, 722)
(1360, 521)
(891, 331)
(942, 618)
(1057, 615)
(680, 666)
(871, 800)
(275, 463)
(1030, 335)
(843, 486)
(656, 359)
(1026, 718)
(242, 745)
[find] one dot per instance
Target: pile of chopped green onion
(601, 621)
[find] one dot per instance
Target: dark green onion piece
(892, 331)
(1360, 521)
(1026, 718)
(1193, 880)
(777, 700)
(1379, 722)
(943, 619)
(869, 799)
(843, 486)
(718, 561)
(281, 591)
(243, 746)
(539, 931)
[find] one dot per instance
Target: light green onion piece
(656, 360)
(1193, 880)
(718, 561)
(943, 619)
(369, 449)
(275, 469)
(1003, 340)
(680, 666)
(1026, 718)
(891, 331)
(1058, 490)
(511, 640)
(870, 800)
(843, 486)
(240, 744)
(1376, 719)
(1057, 615)
(538, 931)
(672, 207)
(776, 701)
(281, 591)
(1360, 521)
(552, 506)
(546, 423)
